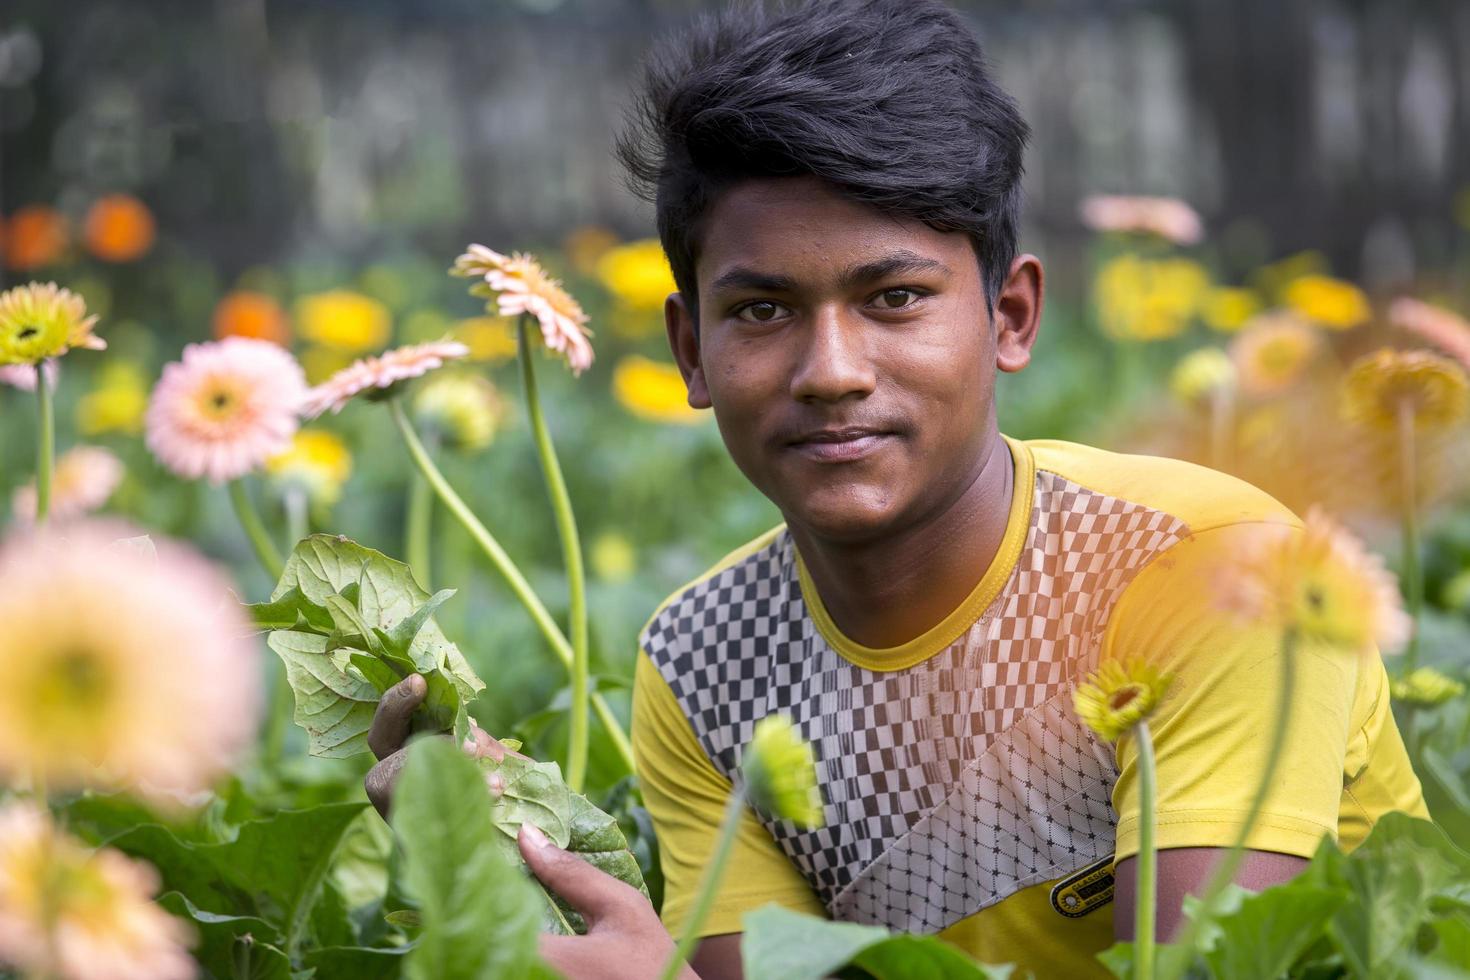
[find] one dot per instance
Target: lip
(840, 445)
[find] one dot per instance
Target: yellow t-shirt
(961, 795)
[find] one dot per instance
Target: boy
(837, 189)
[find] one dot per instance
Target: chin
(844, 516)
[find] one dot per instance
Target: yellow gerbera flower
(653, 391)
(612, 557)
(637, 274)
(1228, 308)
(318, 462)
(38, 321)
(1318, 582)
(1201, 373)
(463, 410)
(1118, 695)
(118, 402)
(489, 338)
(1332, 303)
(343, 320)
(1425, 686)
(1380, 388)
(781, 774)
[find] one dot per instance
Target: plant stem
(709, 884)
(513, 577)
(45, 444)
(1225, 871)
(571, 550)
(298, 524)
(1222, 405)
(1409, 504)
(265, 548)
(1145, 905)
(418, 527)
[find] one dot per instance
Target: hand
(390, 729)
(624, 940)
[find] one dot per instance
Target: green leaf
(350, 622)
(779, 944)
(479, 911)
(222, 936)
(272, 869)
(293, 610)
(336, 708)
(533, 792)
(1392, 881)
(1262, 935)
(357, 962)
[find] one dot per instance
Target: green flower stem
(571, 550)
(513, 577)
(1145, 905)
(1222, 410)
(1409, 505)
(708, 885)
(265, 548)
(1225, 872)
(298, 523)
(418, 528)
(45, 444)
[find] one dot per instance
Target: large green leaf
(479, 912)
(231, 946)
(779, 944)
(1262, 935)
(357, 962)
(533, 792)
(273, 869)
(349, 622)
(1394, 881)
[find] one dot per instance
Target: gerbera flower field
(323, 386)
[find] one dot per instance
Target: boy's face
(848, 356)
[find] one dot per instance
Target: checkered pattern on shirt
(954, 783)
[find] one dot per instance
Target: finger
(482, 745)
(591, 891)
(395, 708)
(381, 779)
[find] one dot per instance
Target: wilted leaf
(479, 912)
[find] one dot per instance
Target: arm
(718, 958)
(1184, 871)
(1211, 731)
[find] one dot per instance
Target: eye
(761, 311)
(897, 299)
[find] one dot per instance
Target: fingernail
(534, 836)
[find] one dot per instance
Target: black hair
(889, 101)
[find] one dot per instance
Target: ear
(1017, 314)
(684, 342)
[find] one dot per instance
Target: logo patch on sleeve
(1086, 890)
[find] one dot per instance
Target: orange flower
(244, 313)
(35, 236)
(377, 376)
(119, 228)
(519, 285)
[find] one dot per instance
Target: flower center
(27, 331)
(1123, 697)
(73, 684)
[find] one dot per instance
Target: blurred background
(306, 171)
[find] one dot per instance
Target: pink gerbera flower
(23, 376)
(376, 375)
(85, 477)
(1167, 217)
(519, 285)
(225, 408)
(72, 912)
(1443, 328)
(127, 664)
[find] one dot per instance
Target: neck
(886, 592)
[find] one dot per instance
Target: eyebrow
(896, 263)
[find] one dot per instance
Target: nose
(834, 362)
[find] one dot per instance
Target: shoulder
(745, 574)
(1199, 498)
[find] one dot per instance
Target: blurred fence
(260, 130)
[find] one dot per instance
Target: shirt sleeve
(1212, 730)
(686, 797)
